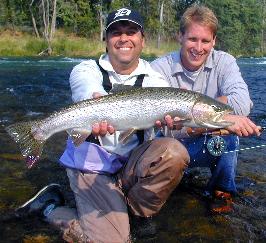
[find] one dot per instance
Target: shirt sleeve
(163, 65)
(85, 79)
(234, 87)
(154, 79)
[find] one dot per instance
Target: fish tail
(23, 133)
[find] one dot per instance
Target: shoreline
(20, 44)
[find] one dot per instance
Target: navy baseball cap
(125, 14)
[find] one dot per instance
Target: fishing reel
(216, 146)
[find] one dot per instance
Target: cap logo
(122, 12)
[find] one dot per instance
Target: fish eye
(216, 108)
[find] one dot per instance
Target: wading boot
(222, 203)
(42, 203)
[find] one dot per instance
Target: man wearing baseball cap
(126, 15)
(109, 178)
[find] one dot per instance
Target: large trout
(126, 109)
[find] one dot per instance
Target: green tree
(227, 12)
(250, 17)
(262, 7)
(239, 25)
(8, 13)
(242, 23)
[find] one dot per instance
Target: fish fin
(120, 87)
(79, 135)
(124, 136)
(26, 134)
(220, 124)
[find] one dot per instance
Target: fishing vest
(107, 85)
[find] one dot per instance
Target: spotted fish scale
(126, 109)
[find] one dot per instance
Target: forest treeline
(242, 25)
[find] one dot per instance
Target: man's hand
(243, 126)
(102, 128)
(171, 123)
(223, 99)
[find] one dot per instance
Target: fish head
(209, 113)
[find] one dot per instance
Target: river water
(32, 87)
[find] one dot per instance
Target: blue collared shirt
(220, 76)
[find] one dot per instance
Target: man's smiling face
(196, 44)
(124, 42)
